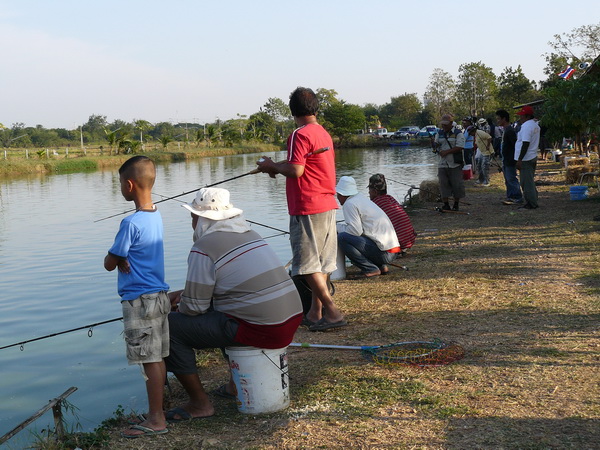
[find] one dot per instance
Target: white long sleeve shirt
(364, 218)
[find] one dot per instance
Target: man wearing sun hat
(526, 148)
(367, 236)
(236, 293)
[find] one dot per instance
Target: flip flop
(323, 325)
(221, 391)
(136, 419)
(145, 432)
(182, 413)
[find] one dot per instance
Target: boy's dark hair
(140, 169)
(303, 102)
(503, 114)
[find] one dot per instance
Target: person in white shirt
(526, 149)
(367, 236)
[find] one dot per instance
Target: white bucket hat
(346, 187)
(212, 203)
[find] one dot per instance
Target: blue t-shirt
(140, 240)
(469, 140)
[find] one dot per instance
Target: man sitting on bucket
(367, 237)
(236, 293)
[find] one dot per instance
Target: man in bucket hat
(236, 293)
(367, 236)
(449, 144)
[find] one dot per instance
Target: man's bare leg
(199, 404)
(322, 303)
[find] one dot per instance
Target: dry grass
(518, 289)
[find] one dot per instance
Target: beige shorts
(314, 243)
(147, 327)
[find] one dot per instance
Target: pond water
(52, 276)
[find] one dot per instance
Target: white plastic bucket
(340, 262)
(261, 378)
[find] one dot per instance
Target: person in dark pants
(509, 165)
(526, 148)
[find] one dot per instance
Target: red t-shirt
(314, 191)
(400, 220)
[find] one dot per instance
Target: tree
(514, 88)
(261, 127)
(142, 125)
(401, 110)
(94, 127)
(326, 97)
(440, 93)
(343, 119)
(580, 45)
(572, 108)
(476, 89)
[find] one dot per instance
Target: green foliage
(572, 108)
(514, 88)
(476, 89)
(440, 94)
(401, 110)
(343, 119)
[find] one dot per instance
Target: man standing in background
(526, 148)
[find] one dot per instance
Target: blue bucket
(578, 192)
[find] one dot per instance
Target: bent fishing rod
(252, 172)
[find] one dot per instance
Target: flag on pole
(567, 73)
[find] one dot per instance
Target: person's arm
(524, 148)
(458, 145)
(285, 168)
(111, 262)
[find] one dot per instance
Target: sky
(198, 61)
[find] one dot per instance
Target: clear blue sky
(194, 60)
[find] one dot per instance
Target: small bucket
(340, 262)
(467, 172)
(261, 378)
(556, 155)
(578, 192)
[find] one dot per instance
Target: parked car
(411, 130)
(427, 131)
(383, 133)
(400, 135)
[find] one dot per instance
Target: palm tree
(142, 125)
(164, 140)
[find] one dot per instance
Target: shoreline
(77, 162)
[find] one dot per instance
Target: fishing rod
(252, 172)
(22, 343)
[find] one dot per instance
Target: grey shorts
(451, 182)
(314, 243)
(146, 327)
(211, 330)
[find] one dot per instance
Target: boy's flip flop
(145, 432)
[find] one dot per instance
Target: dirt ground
(517, 289)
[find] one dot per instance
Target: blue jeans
(468, 155)
(363, 252)
(483, 168)
(513, 190)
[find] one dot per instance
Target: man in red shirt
(310, 189)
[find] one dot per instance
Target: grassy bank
(518, 289)
(21, 163)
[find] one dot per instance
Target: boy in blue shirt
(139, 255)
